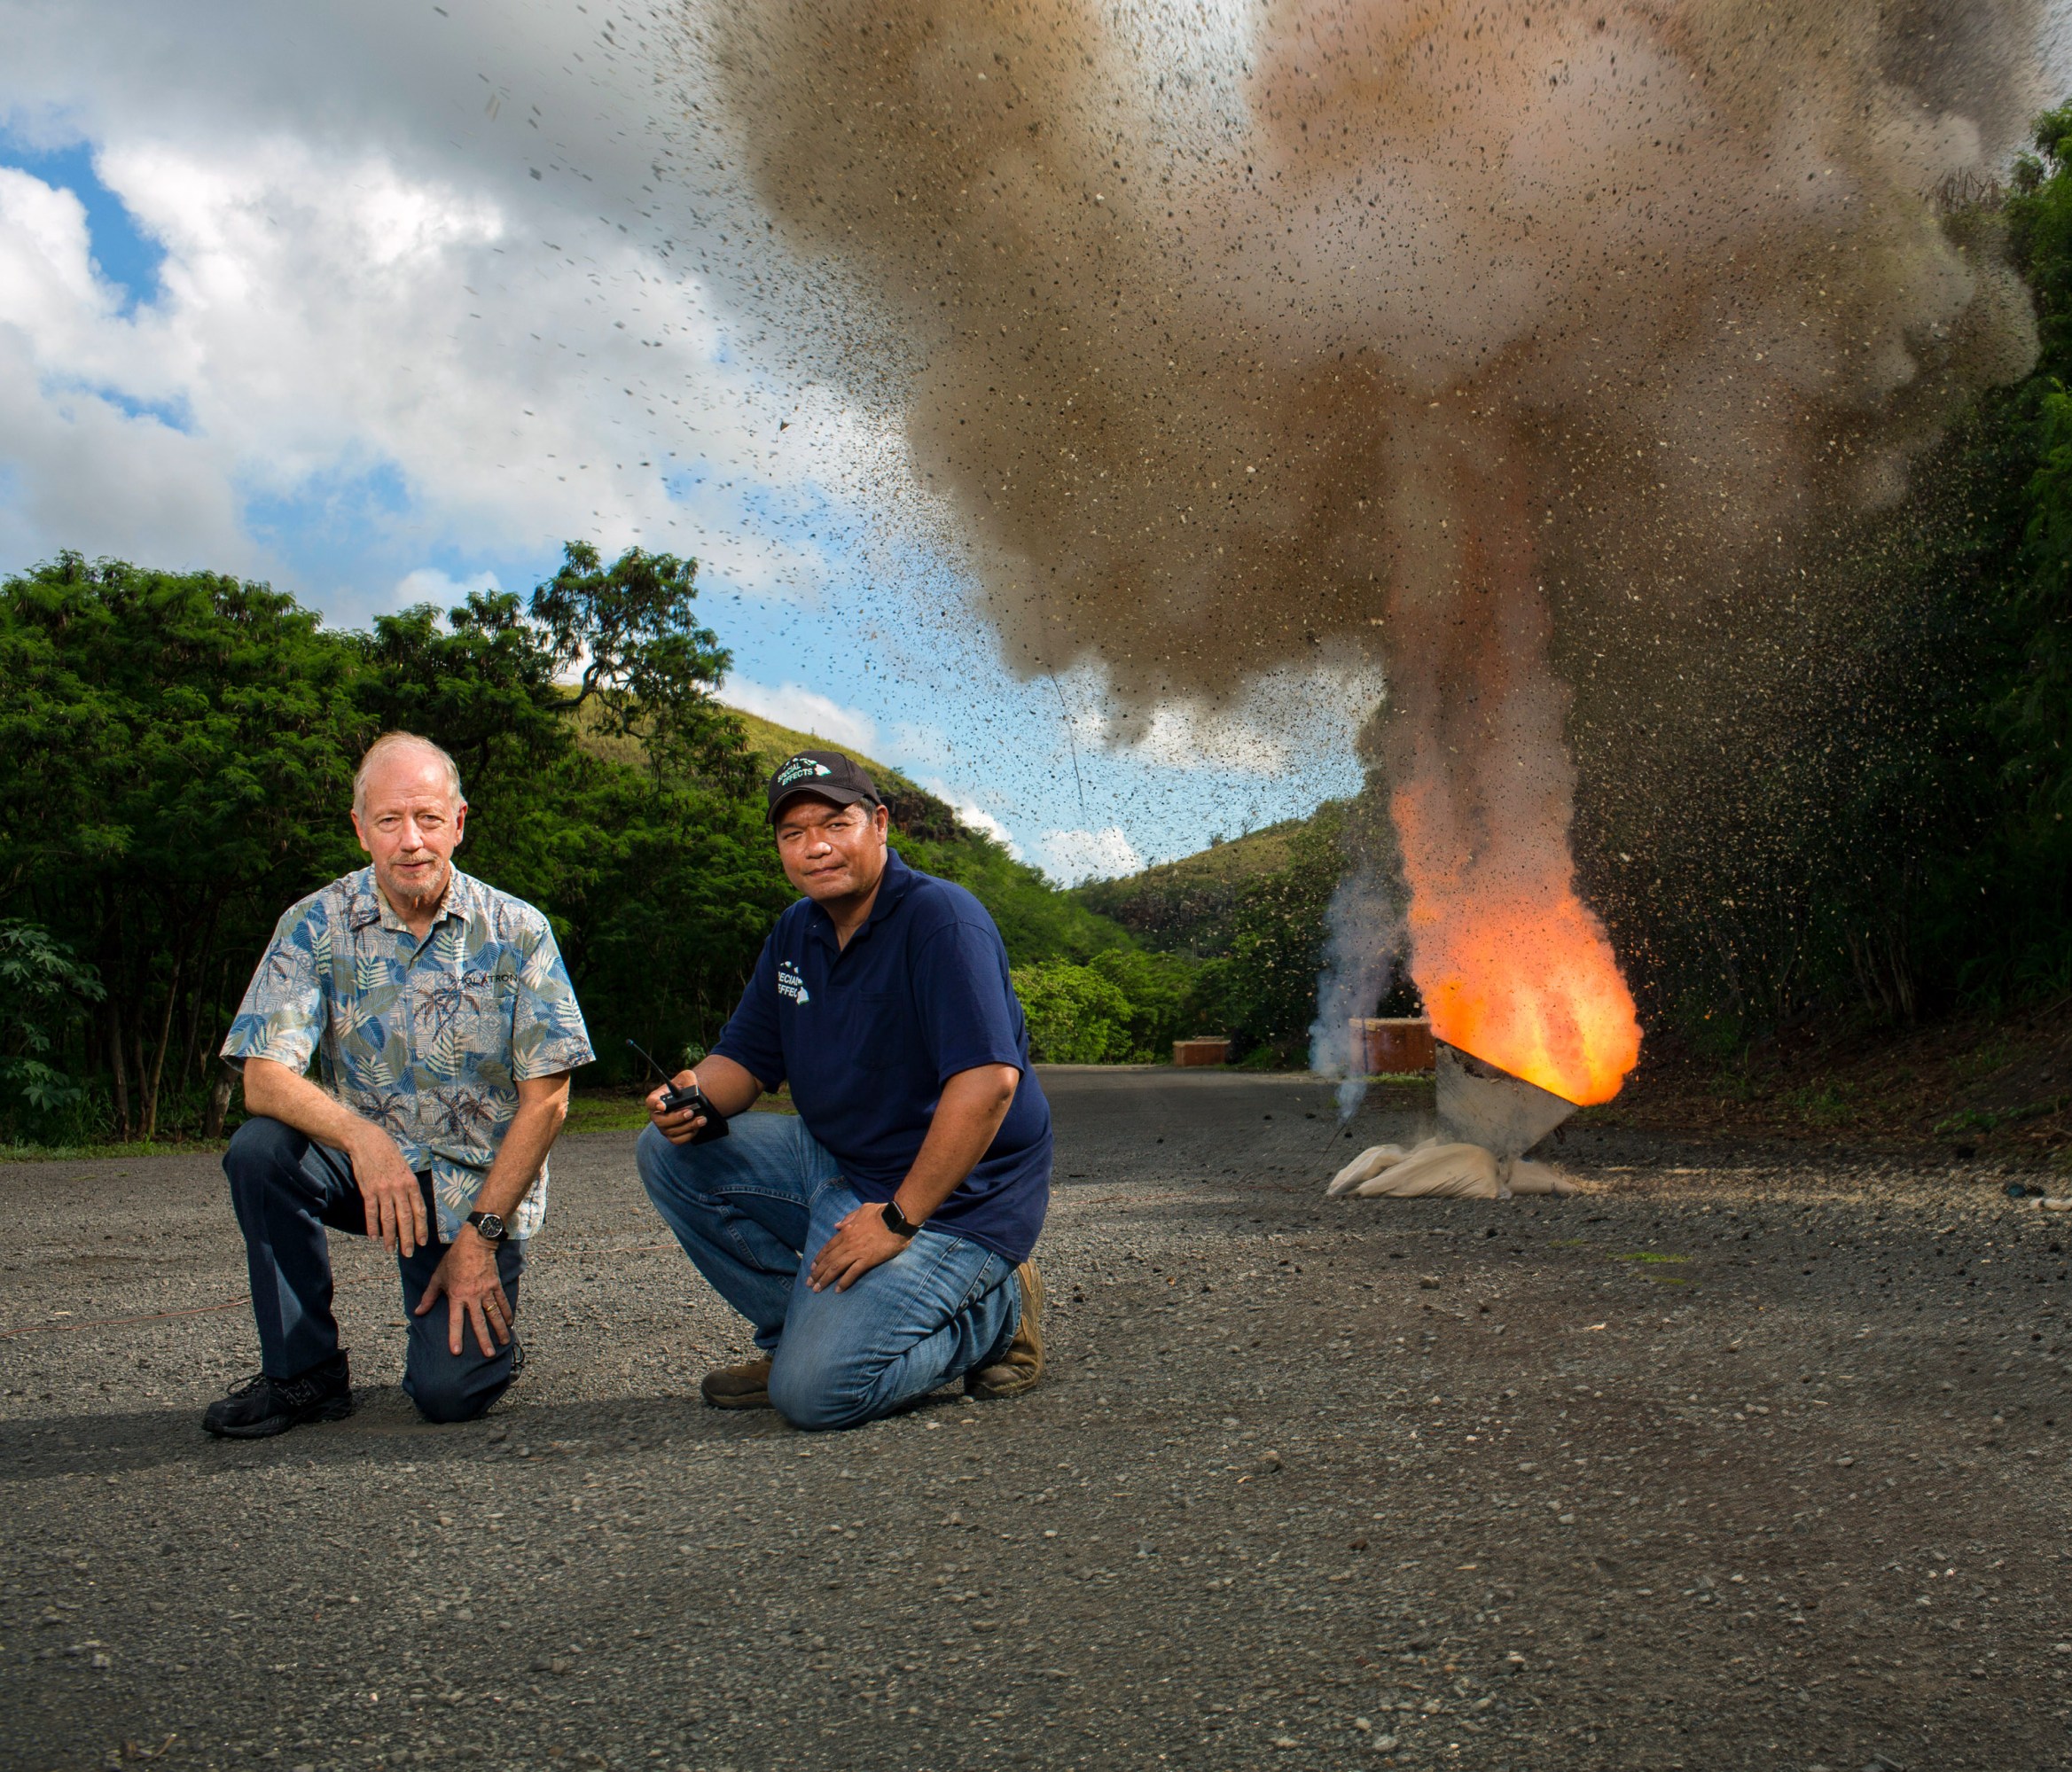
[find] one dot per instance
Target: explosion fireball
(1234, 338)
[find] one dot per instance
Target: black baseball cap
(825, 775)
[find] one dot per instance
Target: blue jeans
(286, 1189)
(752, 1211)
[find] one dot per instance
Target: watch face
(491, 1226)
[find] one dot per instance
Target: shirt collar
(893, 884)
(365, 903)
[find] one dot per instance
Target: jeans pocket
(988, 1276)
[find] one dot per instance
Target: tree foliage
(44, 992)
(1075, 1016)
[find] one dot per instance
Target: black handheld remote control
(690, 1096)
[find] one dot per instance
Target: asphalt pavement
(1739, 1459)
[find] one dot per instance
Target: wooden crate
(1394, 1044)
(1201, 1051)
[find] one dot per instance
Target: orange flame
(1523, 978)
(1513, 966)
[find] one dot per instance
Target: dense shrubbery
(1075, 1016)
(1236, 950)
(1124, 1007)
(45, 994)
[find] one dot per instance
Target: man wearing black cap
(878, 1241)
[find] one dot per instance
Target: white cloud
(976, 817)
(428, 584)
(1072, 857)
(804, 710)
(80, 470)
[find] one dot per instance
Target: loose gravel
(1737, 1460)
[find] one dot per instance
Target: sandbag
(1435, 1171)
(1539, 1178)
(1368, 1164)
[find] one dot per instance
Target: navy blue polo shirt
(866, 1036)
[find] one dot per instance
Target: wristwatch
(895, 1220)
(491, 1224)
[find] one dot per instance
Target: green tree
(177, 753)
(1163, 994)
(642, 661)
(1075, 1015)
(1263, 987)
(604, 782)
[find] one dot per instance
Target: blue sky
(122, 254)
(339, 337)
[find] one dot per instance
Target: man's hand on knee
(861, 1241)
(468, 1281)
(395, 1203)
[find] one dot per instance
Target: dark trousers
(286, 1189)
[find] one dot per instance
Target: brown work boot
(1022, 1364)
(743, 1387)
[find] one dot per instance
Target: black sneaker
(262, 1406)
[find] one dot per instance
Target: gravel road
(1735, 1461)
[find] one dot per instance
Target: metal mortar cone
(1482, 1104)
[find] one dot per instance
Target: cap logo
(801, 768)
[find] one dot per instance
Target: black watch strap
(491, 1224)
(895, 1220)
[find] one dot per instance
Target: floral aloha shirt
(428, 1039)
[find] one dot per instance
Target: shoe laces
(295, 1392)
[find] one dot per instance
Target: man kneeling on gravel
(878, 1241)
(447, 1028)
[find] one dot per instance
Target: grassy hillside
(1189, 905)
(773, 743)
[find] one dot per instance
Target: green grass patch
(1649, 1255)
(1824, 1104)
(1991, 1120)
(85, 1153)
(606, 1113)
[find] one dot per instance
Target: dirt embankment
(1998, 1089)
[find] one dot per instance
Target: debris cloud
(1233, 337)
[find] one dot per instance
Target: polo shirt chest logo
(789, 984)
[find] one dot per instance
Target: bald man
(446, 1030)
